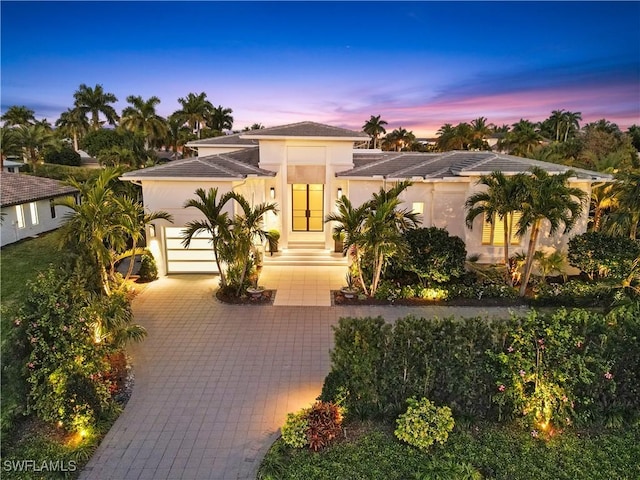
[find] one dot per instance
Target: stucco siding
(10, 231)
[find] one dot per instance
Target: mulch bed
(340, 300)
(266, 299)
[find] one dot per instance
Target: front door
(307, 207)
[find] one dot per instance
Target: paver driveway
(214, 382)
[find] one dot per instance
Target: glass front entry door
(307, 207)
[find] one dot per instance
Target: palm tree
(625, 219)
(96, 101)
(216, 222)
(33, 139)
(73, 122)
(141, 117)
(446, 135)
(480, 129)
(177, 134)
(348, 226)
(195, 110)
(17, 115)
(602, 199)
(220, 118)
(557, 120)
(374, 127)
(498, 202)
(94, 225)
(9, 144)
(522, 139)
(255, 126)
(571, 122)
(245, 229)
(400, 138)
(546, 197)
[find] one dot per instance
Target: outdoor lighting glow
(272, 192)
(339, 192)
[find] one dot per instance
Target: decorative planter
(349, 292)
(255, 293)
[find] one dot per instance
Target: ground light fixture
(272, 192)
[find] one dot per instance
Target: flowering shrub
(316, 426)
(423, 424)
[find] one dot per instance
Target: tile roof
(18, 188)
(450, 164)
(305, 129)
(229, 140)
(239, 164)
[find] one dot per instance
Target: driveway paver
(214, 382)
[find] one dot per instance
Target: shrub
(324, 424)
(294, 430)
(600, 255)
(573, 293)
(63, 156)
(148, 268)
(423, 424)
(434, 255)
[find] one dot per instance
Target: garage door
(198, 258)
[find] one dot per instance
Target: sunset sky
(418, 64)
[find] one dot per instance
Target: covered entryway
(198, 258)
(307, 207)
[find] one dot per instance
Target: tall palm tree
(9, 144)
(480, 130)
(195, 110)
(73, 122)
(96, 101)
(17, 115)
(374, 127)
(348, 226)
(141, 117)
(546, 197)
(216, 222)
(625, 218)
(446, 134)
(498, 203)
(400, 138)
(557, 120)
(177, 134)
(220, 118)
(571, 123)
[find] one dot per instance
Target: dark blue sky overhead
(418, 64)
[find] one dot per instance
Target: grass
(482, 451)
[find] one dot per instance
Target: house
(305, 167)
(28, 206)
(11, 166)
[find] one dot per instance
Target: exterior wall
(304, 161)
(9, 231)
(170, 196)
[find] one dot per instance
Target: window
(20, 216)
(33, 207)
(52, 206)
(493, 233)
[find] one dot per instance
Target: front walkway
(214, 382)
(303, 286)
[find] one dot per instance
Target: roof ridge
(211, 163)
(489, 156)
(377, 162)
(433, 159)
(235, 161)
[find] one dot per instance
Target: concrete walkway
(214, 382)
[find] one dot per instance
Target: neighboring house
(305, 167)
(11, 166)
(28, 206)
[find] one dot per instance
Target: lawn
(472, 452)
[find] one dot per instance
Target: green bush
(63, 156)
(294, 430)
(434, 255)
(601, 255)
(148, 268)
(423, 424)
(573, 293)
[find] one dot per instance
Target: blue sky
(418, 64)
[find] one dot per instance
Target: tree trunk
(75, 141)
(533, 239)
(223, 279)
(597, 217)
(507, 238)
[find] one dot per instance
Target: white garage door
(198, 258)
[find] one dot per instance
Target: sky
(417, 64)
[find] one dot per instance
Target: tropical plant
(17, 115)
(522, 139)
(480, 129)
(177, 133)
(603, 199)
(399, 139)
(9, 143)
(600, 255)
(547, 264)
(96, 101)
(73, 122)
(33, 139)
(423, 424)
(571, 123)
(195, 110)
(220, 118)
(141, 117)
(64, 155)
(625, 218)
(498, 203)
(546, 197)
(216, 222)
(374, 127)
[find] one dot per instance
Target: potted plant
(272, 239)
(255, 291)
(350, 290)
